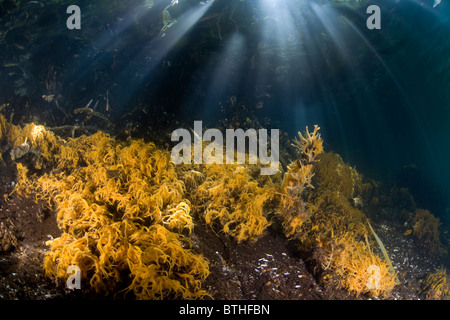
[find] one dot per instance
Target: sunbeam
(153, 52)
(224, 75)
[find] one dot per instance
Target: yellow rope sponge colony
(124, 218)
(125, 212)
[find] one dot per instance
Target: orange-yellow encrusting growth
(338, 233)
(426, 229)
(317, 207)
(126, 212)
(161, 266)
(293, 209)
(355, 266)
(124, 218)
(230, 199)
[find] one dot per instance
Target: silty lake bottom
(93, 206)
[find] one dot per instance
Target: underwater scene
(224, 150)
